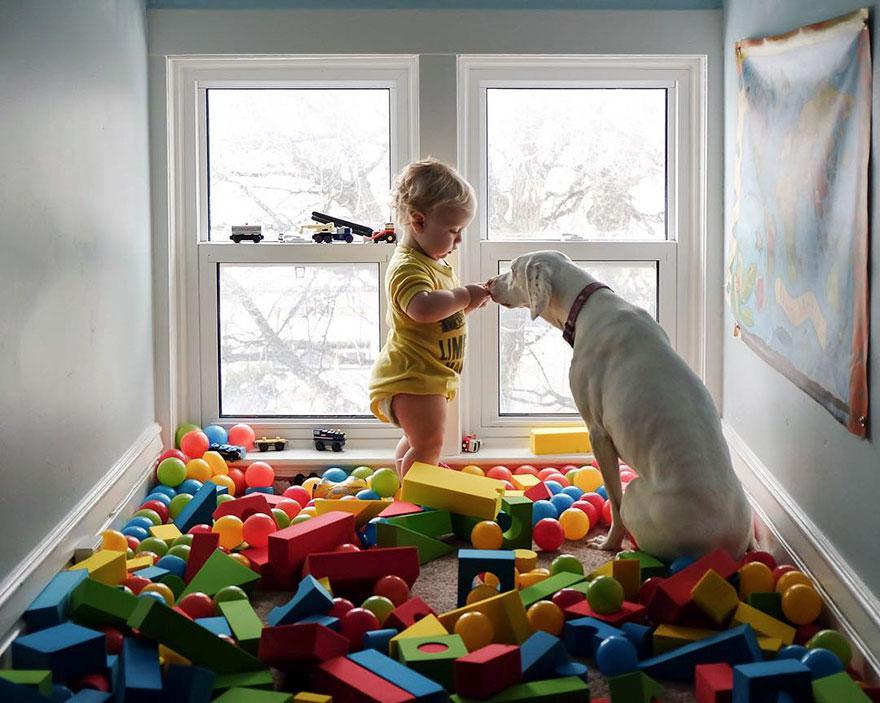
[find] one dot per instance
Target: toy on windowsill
(253, 233)
(328, 439)
(470, 443)
(386, 234)
(265, 444)
(230, 452)
(318, 232)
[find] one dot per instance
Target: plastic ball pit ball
(588, 509)
(228, 593)
(175, 565)
(347, 547)
(801, 605)
(153, 544)
(299, 494)
(182, 430)
(178, 503)
(764, 557)
(526, 469)
(281, 519)
(588, 479)
(616, 655)
(543, 509)
(380, 606)
(834, 641)
(392, 587)
(821, 662)
(164, 592)
(486, 535)
(230, 529)
(385, 483)
(111, 539)
(792, 651)
(226, 482)
(355, 624)
(237, 478)
(194, 444)
(157, 507)
(216, 434)
(547, 616)
(190, 486)
(259, 475)
(475, 629)
(754, 577)
(334, 474)
(605, 595)
(472, 469)
(340, 607)
(553, 486)
(566, 597)
(289, 506)
(257, 528)
(566, 563)
(242, 435)
(791, 578)
(180, 550)
(218, 464)
(197, 605)
(171, 472)
(548, 535)
(499, 473)
(172, 454)
(575, 523)
(362, 472)
(481, 592)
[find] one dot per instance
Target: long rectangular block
(252, 695)
(189, 684)
(560, 440)
(50, 606)
(349, 682)
(420, 687)
(762, 681)
(246, 679)
(288, 647)
(488, 670)
(735, 646)
(546, 588)
(568, 689)
(762, 623)
(40, 680)
(67, 650)
(443, 489)
(352, 572)
(363, 510)
(95, 604)
(432, 523)
(10, 691)
(141, 675)
(288, 548)
(390, 535)
(198, 511)
(838, 688)
(245, 623)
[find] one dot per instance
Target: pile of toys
(167, 607)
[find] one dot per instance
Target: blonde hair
(424, 186)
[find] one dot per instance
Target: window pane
(533, 358)
(297, 339)
(274, 156)
(576, 163)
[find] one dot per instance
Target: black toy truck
(328, 439)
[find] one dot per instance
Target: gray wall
(831, 474)
(76, 377)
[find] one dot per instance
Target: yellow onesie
(422, 358)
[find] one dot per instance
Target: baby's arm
(437, 305)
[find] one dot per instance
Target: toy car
(470, 443)
(340, 234)
(253, 233)
(230, 452)
(332, 439)
(264, 444)
(386, 234)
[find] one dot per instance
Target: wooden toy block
(311, 598)
(39, 680)
(287, 647)
(407, 613)
(244, 507)
(218, 625)
(218, 571)
(198, 511)
(354, 572)
(391, 535)
(714, 683)
(716, 597)
(538, 492)
(288, 548)
(429, 625)
(583, 635)
(258, 558)
(524, 482)
(519, 534)
(94, 604)
(769, 646)
(245, 623)
(420, 687)
(462, 525)
(629, 612)
(189, 684)
(431, 523)
(735, 646)
(669, 637)
(569, 689)
(763, 681)
(634, 687)
(106, 566)
(540, 655)
(89, 695)
(202, 647)
(526, 560)
(138, 563)
(380, 640)
(651, 566)
(246, 679)
(400, 507)
(67, 650)
(629, 573)
(506, 612)
(325, 620)
(167, 533)
(471, 562)
(769, 603)
(306, 697)
(640, 636)
(433, 657)
(50, 606)
(141, 677)
(762, 623)
(838, 688)
(252, 695)
(606, 569)
(153, 573)
(203, 546)
(560, 440)
(466, 494)
(488, 670)
(546, 588)
(20, 694)
(363, 510)
(348, 682)
(674, 593)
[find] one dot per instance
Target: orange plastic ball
(588, 479)
(162, 590)
(199, 469)
(547, 616)
(241, 435)
(114, 540)
(194, 444)
(801, 605)
(241, 559)
(575, 523)
(530, 578)
(754, 577)
(475, 629)
(259, 475)
(487, 535)
(231, 531)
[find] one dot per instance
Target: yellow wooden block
(106, 566)
(509, 493)
(560, 440)
(524, 481)
(507, 613)
(457, 492)
(769, 646)
(428, 626)
(363, 510)
(167, 533)
(526, 560)
(325, 582)
(715, 596)
(306, 697)
(138, 563)
(762, 623)
(629, 573)
(607, 569)
(669, 637)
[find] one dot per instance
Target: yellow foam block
(167, 533)
(762, 623)
(428, 626)
(715, 596)
(509, 493)
(138, 563)
(106, 566)
(669, 637)
(363, 510)
(607, 569)
(769, 646)
(443, 489)
(524, 481)
(507, 613)
(526, 560)
(560, 440)
(629, 573)
(306, 697)
(325, 582)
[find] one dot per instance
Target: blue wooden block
(218, 625)
(640, 636)
(326, 620)
(141, 674)
(421, 687)
(501, 562)
(583, 635)
(540, 655)
(260, 489)
(90, 695)
(380, 640)
(154, 573)
(762, 682)
(199, 511)
(111, 671)
(573, 669)
(16, 693)
(189, 684)
(50, 607)
(311, 598)
(735, 646)
(68, 650)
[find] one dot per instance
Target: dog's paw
(604, 543)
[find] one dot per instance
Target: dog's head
(529, 283)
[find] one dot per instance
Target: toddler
(416, 373)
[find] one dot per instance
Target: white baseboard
(850, 605)
(109, 501)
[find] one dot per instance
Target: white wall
(76, 376)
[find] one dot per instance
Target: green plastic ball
(362, 472)
(380, 606)
(180, 550)
(183, 539)
(153, 544)
(171, 472)
(385, 483)
(300, 518)
(281, 518)
(177, 504)
(182, 430)
(833, 640)
(566, 562)
(228, 593)
(224, 498)
(605, 595)
(151, 515)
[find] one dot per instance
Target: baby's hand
(479, 296)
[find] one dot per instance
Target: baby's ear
(538, 287)
(417, 221)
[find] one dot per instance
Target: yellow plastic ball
(162, 590)
(575, 523)
(114, 541)
(486, 535)
(230, 529)
(547, 616)
(754, 577)
(532, 577)
(791, 578)
(224, 480)
(526, 559)
(801, 605)
(310, 511)
(481, 592)
(475, 630)
(472, 469)
(199, 469)
(310, 483)
(241, 559)
(588, 479)
(218, 464)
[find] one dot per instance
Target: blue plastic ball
(542, 509)
(573, 491)
(152, 594)
(562, 502)
(370, 531)
(792, 651)
(161, 497)
(162, 488)
(616, 655)
(822, 662)
(174, 564)
(60, 692)
(682, 562)
(190, 486)
(334, 474)
(602, 492)
(139, 521)
(139, 533)
(216, 434)
(553, 486)
(367, 494)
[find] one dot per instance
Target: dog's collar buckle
(586, 292)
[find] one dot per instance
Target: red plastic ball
(347, 547)
(508, 486)
(242, 435)
(259, 475)
(547, 472)
(526, 469)
(780, 571)
(548, 534)
(172, 453)
(237, 476)
(158, 506)
(560, 479)
(290, 507)
(587, 507)
(135, 583)
(133, 542)
(299, 494)
(499, 473)
(199, 529)
(566, 597)
(597, 501)
(257, 528)
(764, 557)
(394, 588)
(606, 512)
(197, 605)
(194, 444)
(648, 589)
(93, 681)
(355, 624)
(113, 639)
(340, 607)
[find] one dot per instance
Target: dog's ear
(537, 286)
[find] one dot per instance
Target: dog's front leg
(606, 455)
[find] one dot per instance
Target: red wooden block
(202, 546)
(538, 492)
(289, 646)
(349, 683)
(408, 613)
(355, 572)
(288, 548)
(714, 683)
(488, 670)
(244, 507)
(674, 593)
(272, 499)
(400, 507)
(629, 612)
(258, 557)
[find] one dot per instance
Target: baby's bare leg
(423, 421)
(402, 448)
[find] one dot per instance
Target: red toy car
(470, 443)
(386, 234)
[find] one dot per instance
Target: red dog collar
(588, 290)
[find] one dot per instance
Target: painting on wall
(797, 276)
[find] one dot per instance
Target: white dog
(642, 403)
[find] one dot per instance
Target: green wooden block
(433, 657)
(651, 566)
(519, 534)
(253, 695)
(391, 535)
(770, 603)
(431, 523)
(245, 623)
(546, 588)
(38, 679)
(198, 644)
(838, 688)
(247, 679)
(95, 604)
(218, 572)
(568, 689)
(462, 525)
(175, 583)
(634, 687)
(580, 586)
